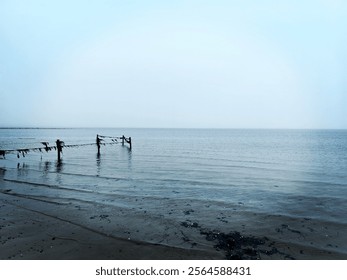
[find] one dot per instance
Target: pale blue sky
(213, 64)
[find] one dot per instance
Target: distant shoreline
(36, 128)
(178, 128)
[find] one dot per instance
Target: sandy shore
(35, 227)
(29, 234)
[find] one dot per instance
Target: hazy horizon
(182, 64)
(178, 128)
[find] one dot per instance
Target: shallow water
(292, 173)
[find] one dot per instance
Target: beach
(41, 228)
(34, 234)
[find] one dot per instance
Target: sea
(190, 174)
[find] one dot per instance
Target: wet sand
(31, 235)
(40, 227)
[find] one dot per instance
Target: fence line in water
(100, 141)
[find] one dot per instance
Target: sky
(173, 64)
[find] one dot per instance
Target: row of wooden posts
(60, 144)
(123, 138)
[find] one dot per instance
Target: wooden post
(98, 143)
(59, 148)
(123, 140)
(130, 142)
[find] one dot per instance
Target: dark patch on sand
(101, 218)
(189, 224)
(187, 212)
(240, 247)
(236, 245)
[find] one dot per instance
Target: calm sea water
(296, 173)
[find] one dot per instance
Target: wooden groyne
(101, 140)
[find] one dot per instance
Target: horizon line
(216, 128)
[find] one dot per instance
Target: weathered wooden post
(130, 142)
(59, 148)
(123, 140)
(98, 143)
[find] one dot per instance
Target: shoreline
(37, 227)
(33, 236)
